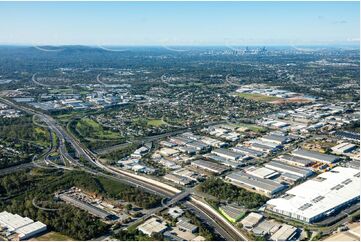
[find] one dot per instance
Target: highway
(178, 197)
(16, 168)
(212, 217)
(156, 137)
(231, 83)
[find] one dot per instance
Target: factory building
(186, 226)
(266, 143)
(138, 153)
(191, 136)
(228, 154)
(266, 227)
(183, 172)
(348, 135)
(213, 142)
(261, 172)
(179, 140)
(248, 151)
(168, 152)
(210, 166)
(180, 180)
(251, 220)
(315, 156)
(152, 226)
(264, 147)
(20, 228)
(224, 161)
(288, 178)
(260, 185)
(295, 160)
(285, 233)
(232, 213)
(284, 168)
(320, 197)
(169, 164)
(198, 145)
(275, 138)
(343, 148)
(276, 124)
(86, 206)
(187, 150)
(167, 144)
(175, 212)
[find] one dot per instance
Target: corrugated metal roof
(315, 155)
(88, 207)
(252, 181)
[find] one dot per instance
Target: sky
(179, 23)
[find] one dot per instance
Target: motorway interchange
(223, 227)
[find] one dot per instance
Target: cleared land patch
(90, 128)
(53, 236)
(156, 122)
(259, 97)
(252, 127)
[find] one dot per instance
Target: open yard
(91, 129)
(259, 97)
(53, 236)
(156, 122)
(252, 127)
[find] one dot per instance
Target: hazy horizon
(179, 23)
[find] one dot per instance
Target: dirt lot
(353, 234)
(292, 100)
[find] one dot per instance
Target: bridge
(176, 198)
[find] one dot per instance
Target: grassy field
(53, 236)
(253, 127)
(156, 122)
(110, 186)
(64, 117)
(259, 97)
(90, 128)
(42, 135)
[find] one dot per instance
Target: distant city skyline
(179, 23)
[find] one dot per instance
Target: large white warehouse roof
(319, 196)
(24, 227)
(13, 221)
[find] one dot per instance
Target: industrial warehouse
(261, 185)
(15, 227)
(283, 168)
(295, 160)
(85, 206)
(185, 121)
(320, 197)
(210, 166)
(315, 156)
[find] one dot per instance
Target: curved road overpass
(212, 217)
